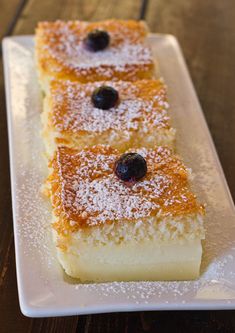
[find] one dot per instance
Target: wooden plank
(85, 10)
(163, 322)
(8, 10)
(11, 320)
(8, 13)
(205, 30)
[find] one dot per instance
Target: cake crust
(139, 119)
(141, 102)
(60, 51)
(85, 190)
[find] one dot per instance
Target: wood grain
(8, 11)
(72, 9)
(206, 33)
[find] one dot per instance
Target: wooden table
(206, 32)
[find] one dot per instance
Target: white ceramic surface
(43, 288)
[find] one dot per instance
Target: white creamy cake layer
(133, 261)
(106, 229)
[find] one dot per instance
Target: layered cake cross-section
(93, 51)
(125, 217)
(121, 114)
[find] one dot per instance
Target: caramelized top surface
(141, 104)
(60, 48)
(86, 191)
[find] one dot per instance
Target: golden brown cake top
(86, 192)
(142, 104)
(60, 47)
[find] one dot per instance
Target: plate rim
(31, 311)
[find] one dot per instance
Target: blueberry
(130, 167)
(104, 97)
(97, 40)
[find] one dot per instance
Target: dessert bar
(125, 217)
(92, 51)
(121, 114)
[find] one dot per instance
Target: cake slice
(125, 217)
(73, 115)
(92, 51)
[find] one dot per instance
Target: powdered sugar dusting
(117, 57)
(90, 185)
(32, 212)
(169, 292)
(100, 194)
(64, 42)
(73, 110)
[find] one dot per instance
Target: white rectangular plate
(44, 290)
